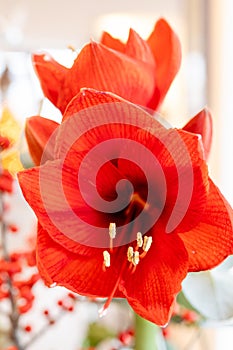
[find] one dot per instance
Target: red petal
(184, 172)
(40, 187)
(166, 49)
(52, 190)
(139, 49)
(88, 98)
(51, 75)
(104, 69)
(202, 124)
(83, 275)
(105, 119)
(211, 241)
(152, 289)
(112, 43)
(187, 191)
(38, 132)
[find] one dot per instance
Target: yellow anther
(135, 259)
(130, 254)
(106, 256)
(139, 240)
(112, 230)
(147, 243)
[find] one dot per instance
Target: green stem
(145, 334)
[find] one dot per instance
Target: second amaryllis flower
(140, 71)
(125, 206)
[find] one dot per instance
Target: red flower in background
(140, 71)
(97, 250)
(202, 124)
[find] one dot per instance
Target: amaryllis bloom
(125, 206)
(140, 71)
(39, 130)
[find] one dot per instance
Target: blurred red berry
(166, 332)
(60, 303)
(4, 143)
(126, 337)
(6, 181)
(28, 328)
(13, 228)
(71, 296)
(190, 316)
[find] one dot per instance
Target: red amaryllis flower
(140, 71)
(39, 130)
(125, 206)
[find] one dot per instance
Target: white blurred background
(205, 29)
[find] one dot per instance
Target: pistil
(136, 198)
(138, 201)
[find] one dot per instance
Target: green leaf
(96, 334)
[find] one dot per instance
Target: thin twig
(44, 329)
(14, 315)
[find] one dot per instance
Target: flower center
(133, 255)
(137, 200)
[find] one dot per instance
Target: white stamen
(135, 259)
(139, 240)
(106, 256)
(112, 230)
(147, 243)
(130, 254)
